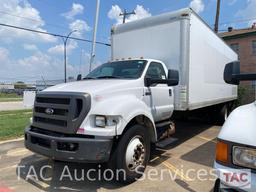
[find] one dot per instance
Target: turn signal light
(222, 152)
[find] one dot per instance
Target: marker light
(222, 152)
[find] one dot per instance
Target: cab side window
(156, 71)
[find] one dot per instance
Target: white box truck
(161, 64)
(182, 41)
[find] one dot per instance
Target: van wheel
(132, 154)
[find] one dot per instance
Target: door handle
(170, 92)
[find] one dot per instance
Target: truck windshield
(118, 70)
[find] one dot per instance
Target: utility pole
(65, 41)
(125, 14)
(94, 34)
(216, 25)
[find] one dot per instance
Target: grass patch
(7, 97)
(13, 123)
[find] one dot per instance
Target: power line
(38, 21)
(52, 34)
(33, 20)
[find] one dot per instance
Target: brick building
(243, 41)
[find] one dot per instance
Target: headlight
(106, 121)
(244, 156)
(100, 121)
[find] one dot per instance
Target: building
(6, 87)
(243, 42)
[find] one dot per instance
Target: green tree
(20, 85)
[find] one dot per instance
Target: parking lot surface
(172, 169)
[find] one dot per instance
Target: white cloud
(75, 10)
(39, 64)
(59, 49)
(248, 12)
(114, 13)
(81, 27)
(30, 47)
(33, 67)
(30, 18)
(4, 53)
(140, 12)
(197, 5)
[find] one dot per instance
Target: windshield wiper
(108, 77)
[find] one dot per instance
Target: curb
(11, 140)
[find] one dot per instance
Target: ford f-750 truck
(160, 65)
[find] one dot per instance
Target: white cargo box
(183, 41)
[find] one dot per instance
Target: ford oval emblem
(49, 111)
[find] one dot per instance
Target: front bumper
(252, 188)
(89, 150)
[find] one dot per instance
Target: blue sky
(29, 57)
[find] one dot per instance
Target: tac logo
(238, 178)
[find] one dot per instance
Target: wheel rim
(135, 153)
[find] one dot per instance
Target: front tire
(132, 154)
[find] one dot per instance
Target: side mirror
(79, 77)
(172, 80)
(173, 77)
(231, 72)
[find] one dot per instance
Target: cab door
(158, 97)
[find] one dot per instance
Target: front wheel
(132, 154)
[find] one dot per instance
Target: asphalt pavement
(172, 169)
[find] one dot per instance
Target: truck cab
(236, 147)
(109, 116)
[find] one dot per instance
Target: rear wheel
(132, 154)
(220, 113)
(224, 112)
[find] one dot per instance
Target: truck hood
(94, 86)
(240, 127)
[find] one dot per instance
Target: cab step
(165, 130)
(166, 142)
(163, 124)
